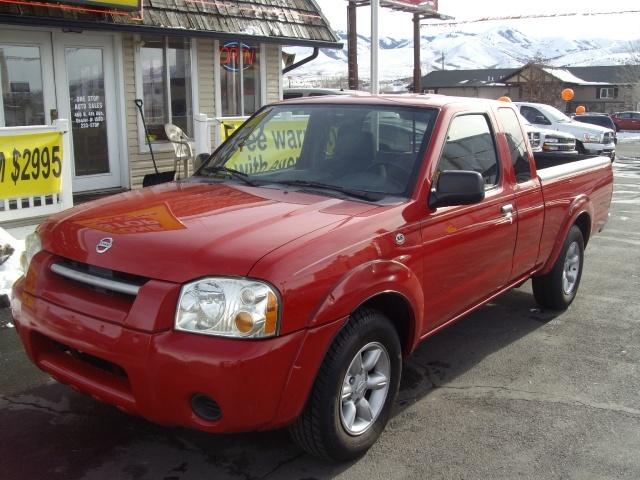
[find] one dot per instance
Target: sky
(395, 24)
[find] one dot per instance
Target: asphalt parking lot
(509, 392)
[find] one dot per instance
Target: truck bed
(569, 181)
(547, 160)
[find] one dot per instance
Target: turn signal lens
(244, 322)
(271, 317)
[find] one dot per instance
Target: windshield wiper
(237, 174)
(360, 194)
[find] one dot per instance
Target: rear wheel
(354, 390)
(557, 289)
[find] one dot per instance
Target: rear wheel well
(396, 308)
(583, 222)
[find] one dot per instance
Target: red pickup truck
(286, 280)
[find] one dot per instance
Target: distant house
(598, 88)
(481, 83)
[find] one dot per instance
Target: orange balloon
(580, 109)
(567, 94)
(504, 99)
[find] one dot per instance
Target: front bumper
(259, 384)
(607, 150)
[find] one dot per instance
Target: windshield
(554, 114)
(338, 149)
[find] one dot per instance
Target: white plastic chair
(181, 147)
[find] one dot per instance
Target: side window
(533, 115)
(470, 146)
(517, 145)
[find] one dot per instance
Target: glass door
(86, 93)
(25, 61)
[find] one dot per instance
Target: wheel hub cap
(365, 388)
(571, 268)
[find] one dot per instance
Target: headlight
(228, 307)
(32, 245)
(588, 137)
(551, 140)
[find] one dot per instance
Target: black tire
(580, 148)
(549, 290)
(319, 429)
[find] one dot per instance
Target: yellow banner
(30, 164)
(228, 126)
(273, 147)
(116, 4)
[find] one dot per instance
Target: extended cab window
(534, 115)
(517, 144)
(343, 148)
(470, 146)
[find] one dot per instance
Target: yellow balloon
(580, 109)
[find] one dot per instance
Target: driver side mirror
(541, 120)
(456, 187)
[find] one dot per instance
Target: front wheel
(354, 390)
(557, 289)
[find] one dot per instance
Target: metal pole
(375, 8)
(417, 74)
(352, 45)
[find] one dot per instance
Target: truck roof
(408, 100)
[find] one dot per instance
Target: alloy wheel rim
(364, 388)
(571, 269)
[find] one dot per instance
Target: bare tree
(631, 76)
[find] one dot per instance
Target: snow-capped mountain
(498, 47)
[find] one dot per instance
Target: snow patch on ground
(10, 270)
(628, 136)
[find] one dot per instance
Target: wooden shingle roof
(289, 22)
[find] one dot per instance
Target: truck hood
(579, 128)
(556, 133)
(182, 231)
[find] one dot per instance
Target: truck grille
(99, 278)
(563, 147)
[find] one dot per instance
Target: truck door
(468, 249)
(529, 203)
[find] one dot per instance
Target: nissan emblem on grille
(104, 245)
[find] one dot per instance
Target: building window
(166, 84)
(22, 100)
(240, 78)
(608, 92)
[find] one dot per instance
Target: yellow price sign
(30, 164)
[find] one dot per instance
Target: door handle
(507, 209)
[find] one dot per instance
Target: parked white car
(545, 140)
(590, 139)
